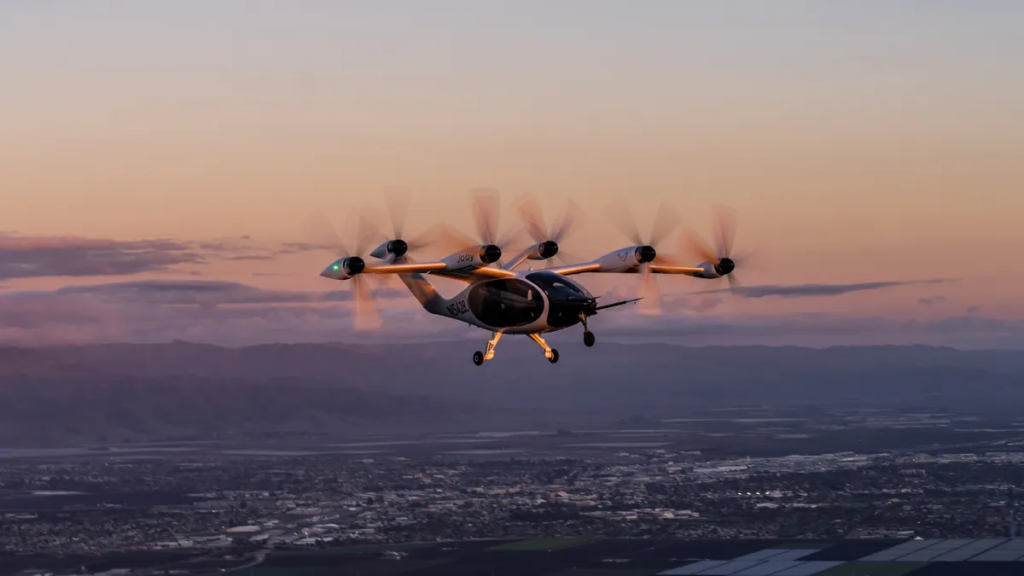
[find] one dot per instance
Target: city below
(202, 507)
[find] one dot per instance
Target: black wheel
(478, 358)
(554, 356)
(589, 338)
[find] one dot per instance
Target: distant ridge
(141, 390)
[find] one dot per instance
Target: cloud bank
(809, 290)
(23, 257)
(34, 257)
(237, 314)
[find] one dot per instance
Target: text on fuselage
(458, 308)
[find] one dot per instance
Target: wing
(440, 269)
(476, 274)
(406, 268)
(595, 267)
(570, 269)
(684, 270)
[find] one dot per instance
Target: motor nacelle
(395, 248)
(626, 259)
(344, 268)
(723, 267)
(543, 250)
(475, 257)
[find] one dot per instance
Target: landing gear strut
(481, 357)
(588, 336)
(550, 353)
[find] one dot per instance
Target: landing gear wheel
(478, 358)
(554, 356)
(589, 338)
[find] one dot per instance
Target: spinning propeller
(397, 202)
(351, 263)
(665, 222)
(721, 256)
(549, 239)
(486, 205)
(396, 246)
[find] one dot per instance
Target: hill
(183, 388)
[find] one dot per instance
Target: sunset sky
(178, 146)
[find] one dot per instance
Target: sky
(159, 160)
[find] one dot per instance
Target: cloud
(300, 247)
(931, 300)
(243, 248)
(808, 290)
(34, 257)
(24, 257)
(682, 303)
(214, 312)
(234, 314)
(243, 257)
(230, 313)
(208, 293)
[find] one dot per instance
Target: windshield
(555, 285)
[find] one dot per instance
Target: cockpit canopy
(558, 287)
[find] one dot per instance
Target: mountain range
(178, 389)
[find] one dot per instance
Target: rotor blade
(397, 200)
(665, 222)
(567, 222)
(421, 241)
(443, 238)
(650, 304)
(367, 234)
(532, 218)
(366, 316)
(486, 204)
(734, 282)
(386, 282)
(747, 259)
(322, 233)
(567, 258)
(621, 216)
(510, 238)
(669, 260)
(693, 246)
(450, 239)
(725, 230)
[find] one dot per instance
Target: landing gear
(554, 356)
(588, 336)
(550, 353)
(480, 357)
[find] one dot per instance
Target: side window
(505, 303)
